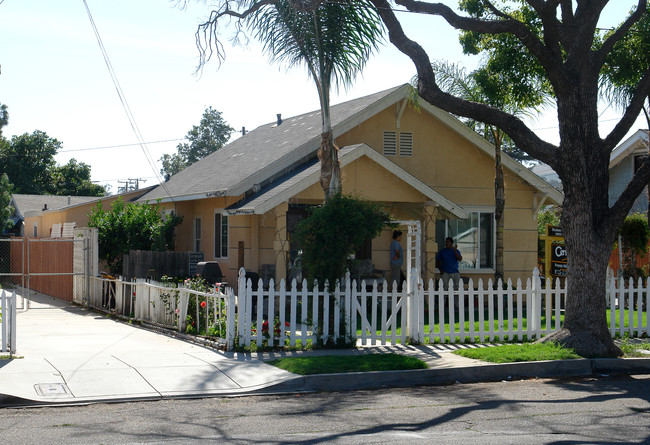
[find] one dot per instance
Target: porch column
(281, 244)
(430, 212)
(254, 257)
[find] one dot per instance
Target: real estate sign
(555, 263)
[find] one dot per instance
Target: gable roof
(635, 142)
(309, 175)
(24, 204)
(272, 151)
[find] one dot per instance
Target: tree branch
(428, 89)
(631, 113)
(609, 43)
(206, 35)
(619, 210)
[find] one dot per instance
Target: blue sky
(54, 78)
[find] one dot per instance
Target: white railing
(170, 306)
(8, 321)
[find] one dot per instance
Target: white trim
(349, 155)
(631, 144)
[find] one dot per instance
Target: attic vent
(406, 144)
(390, 143)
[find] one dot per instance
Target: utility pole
(130, 185)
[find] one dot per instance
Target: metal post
(27, 296)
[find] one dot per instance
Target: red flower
(203, 304)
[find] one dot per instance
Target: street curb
(474, 374)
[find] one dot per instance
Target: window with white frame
(220, 235)
(475, 237)
(197, 234)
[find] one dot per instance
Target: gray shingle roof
(268, 151)
(35, 203)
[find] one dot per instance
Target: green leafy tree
(5, 198)
(211, 134)
(28, 160)
(334, 231)
(4, 117)
(332, 39)
(554, 45)
(131, 226)
(73, 179)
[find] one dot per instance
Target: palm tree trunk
(499, 206)
(330, 170)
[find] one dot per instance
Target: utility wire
(117, 146)
(125, 104)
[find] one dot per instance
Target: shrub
(334, 231)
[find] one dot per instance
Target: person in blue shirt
(447, 261)
(396, 258)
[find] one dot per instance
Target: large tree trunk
(589, 228)
(585, 323)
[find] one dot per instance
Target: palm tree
(485, 86)
(332, 39)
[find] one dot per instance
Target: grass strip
(334, 364)
(527, 352)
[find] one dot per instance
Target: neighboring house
(241, 204)
(40, 213)
(33, 204)
(623, 163)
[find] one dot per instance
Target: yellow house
(241, 204)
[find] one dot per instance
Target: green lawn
(486, 324)
(519, 353)
(329, 364)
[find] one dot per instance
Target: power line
(118, 146)
(125, 104)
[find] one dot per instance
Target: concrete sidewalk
(73, 355)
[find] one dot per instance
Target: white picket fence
(298, 315)
(473, 313)
(8, 321)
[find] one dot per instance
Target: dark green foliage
(28, 160)
(634, 237)
(507, 56)
(211, 134)
(635, 233)
(131, 226)
(73, 179)
(336, 230)
(548, 215)
(628, 62)
(5, 198)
